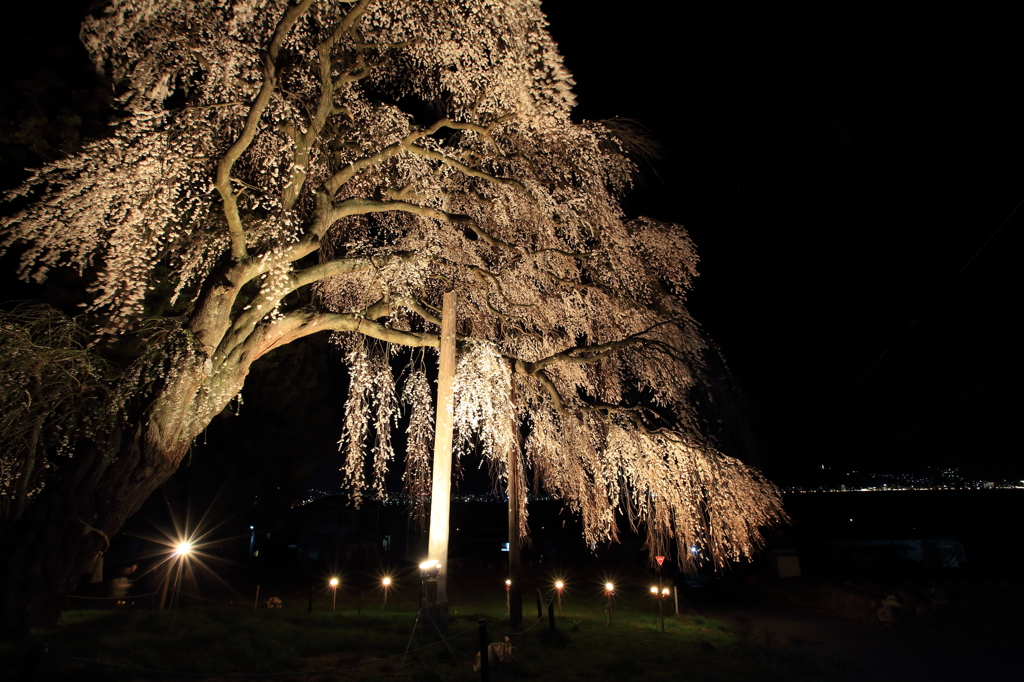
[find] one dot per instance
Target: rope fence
(293, 673)
(242, 601)
(37, 656)
(124, 598)
(45, 653)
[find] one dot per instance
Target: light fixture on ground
(429, 570)
(386, 584)
(441, 468)
(180, 554)
(660, 593)
(559, 586)
(334, 589)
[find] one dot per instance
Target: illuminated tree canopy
(283, 169)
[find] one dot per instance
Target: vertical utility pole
(515, 592)
(441, 484)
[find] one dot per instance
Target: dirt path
(906, 652)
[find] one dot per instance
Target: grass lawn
(220, 640)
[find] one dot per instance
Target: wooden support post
(661, 609)
(661, 600)
(515, 594)
(441, 481)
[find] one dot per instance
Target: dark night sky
(849, 179)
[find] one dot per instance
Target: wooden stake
(515, 595)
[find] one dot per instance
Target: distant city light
(933, 478)
(401, 499)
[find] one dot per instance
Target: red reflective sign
(660, 560)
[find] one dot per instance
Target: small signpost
(662, 593)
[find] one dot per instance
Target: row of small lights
(184, 548)
(334, 582)
(609, 588)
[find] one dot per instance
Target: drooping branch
(354, 206)
(463, 168)
(588, 354)
(274, 292)
(408, 143)
(418, 308)
(301, 323)
(340, 266)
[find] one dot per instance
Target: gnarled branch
(236, 230)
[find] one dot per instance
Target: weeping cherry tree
(287, 167)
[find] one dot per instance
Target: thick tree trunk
(56, 540)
